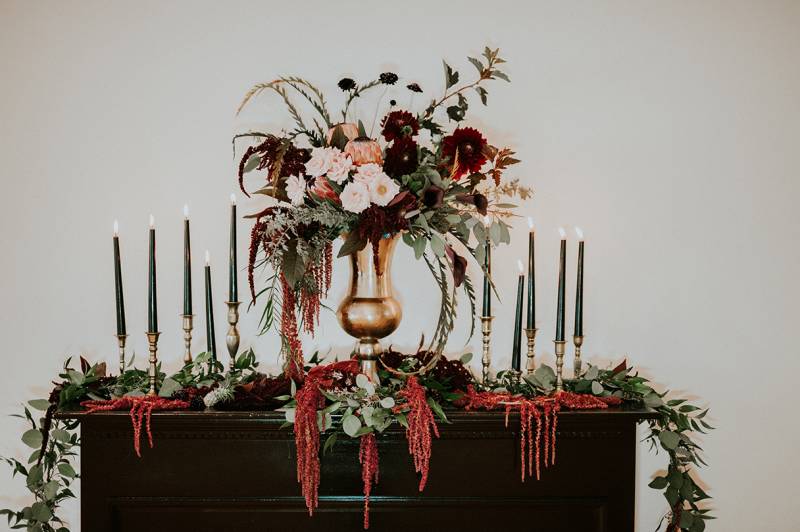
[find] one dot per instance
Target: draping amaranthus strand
(310, 298)
(309, 399)
(543, 410)
(294, 347)
(420, 425)
(368, 456)
(141, 408)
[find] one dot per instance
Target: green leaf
(352, 244)
(293, 265)
(591, 373)
(169, 387)
(387, 402)
(659, 483)
(687, 519)
(669, 439)
(40, 512)
(450, 76)
(466, 358)
(329, 442)
(75, 377)
(401, 418)
(32, 438)
(66, 470)
(477, 63)
(436, 407)
(40, 404)
(50, 490)
(545, 375)
(671, 494)
(60, 435)
(350, 425)
(675, 478)
(437, 245)
(597, 388)
(419, 247)
(653, 400)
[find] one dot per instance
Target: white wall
(669, 131)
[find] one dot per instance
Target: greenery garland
(49, 472)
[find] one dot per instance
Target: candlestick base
(486, 359)
(188, 325)
(559, 348)
(152, 339)
(531, 365)
(578, 341)
(232, 338)
(122, 339)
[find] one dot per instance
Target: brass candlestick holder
(578, 341)
(122, 338)
(531, 334)
(188, 320)
(152, 339)
(559, 364)
(486, 359)
(232, 338)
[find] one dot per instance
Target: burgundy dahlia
(464, 148)
(399, 124)
(401, 158)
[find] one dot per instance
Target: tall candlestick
(233, 285)
(579, 287)
(517, 344)
(121, 330)
(152, 297)
(187, 264)
(561, 287)
(211, 343)
(531, 323)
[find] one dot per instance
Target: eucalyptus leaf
(350, 425)
(66, 470)
(591, 373)
(32, 438)
(40, 404)
(387, 402)
(669, 439)
(169, 387)
(597, 388)
(466, 358)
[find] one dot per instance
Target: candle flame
(579, 232)
(116, 228)
(233, 198)
(562, 233)
(519, 265)
(530, 223)
(152, 222)
(186, 211)
(208, 258)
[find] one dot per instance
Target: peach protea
(363, 150)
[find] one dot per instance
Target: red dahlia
(398, 124)
(401, 157)
(465, 149)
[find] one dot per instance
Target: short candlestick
(486, 360)
(559, 347)
(152, 339)
(578, 341)
(122, 338)
(188, 325)
(531, 334)
(232, 338)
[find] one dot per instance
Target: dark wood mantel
(235, 471)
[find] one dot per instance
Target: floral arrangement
(335, 401)
(335, 179)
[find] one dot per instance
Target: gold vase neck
(371, 276)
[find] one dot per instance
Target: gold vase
(370, 312)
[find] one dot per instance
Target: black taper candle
(516, 350)
(152, 297)
(561, 290)
(579, 292)
(187, 265)
(211, 342)
(487, 278)
(121, 330)
(531, 318)
(233, 285)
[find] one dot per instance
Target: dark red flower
(414, 87)
(399, 124)
(464, 149)
(479, 200)
(401, 157)
(432, 197)
(459, 264)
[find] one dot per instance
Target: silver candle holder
(232, 338)
(486, 359)
(559, 348)
(122, 339)
(531, 365)
(188, 325)
(578, 341)
(152, 339)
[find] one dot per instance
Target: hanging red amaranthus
(310, 297)
(420, 425)
(368, 456)
(309, 399)
(543, 410)
(141, 408)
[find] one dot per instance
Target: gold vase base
(367, 352)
